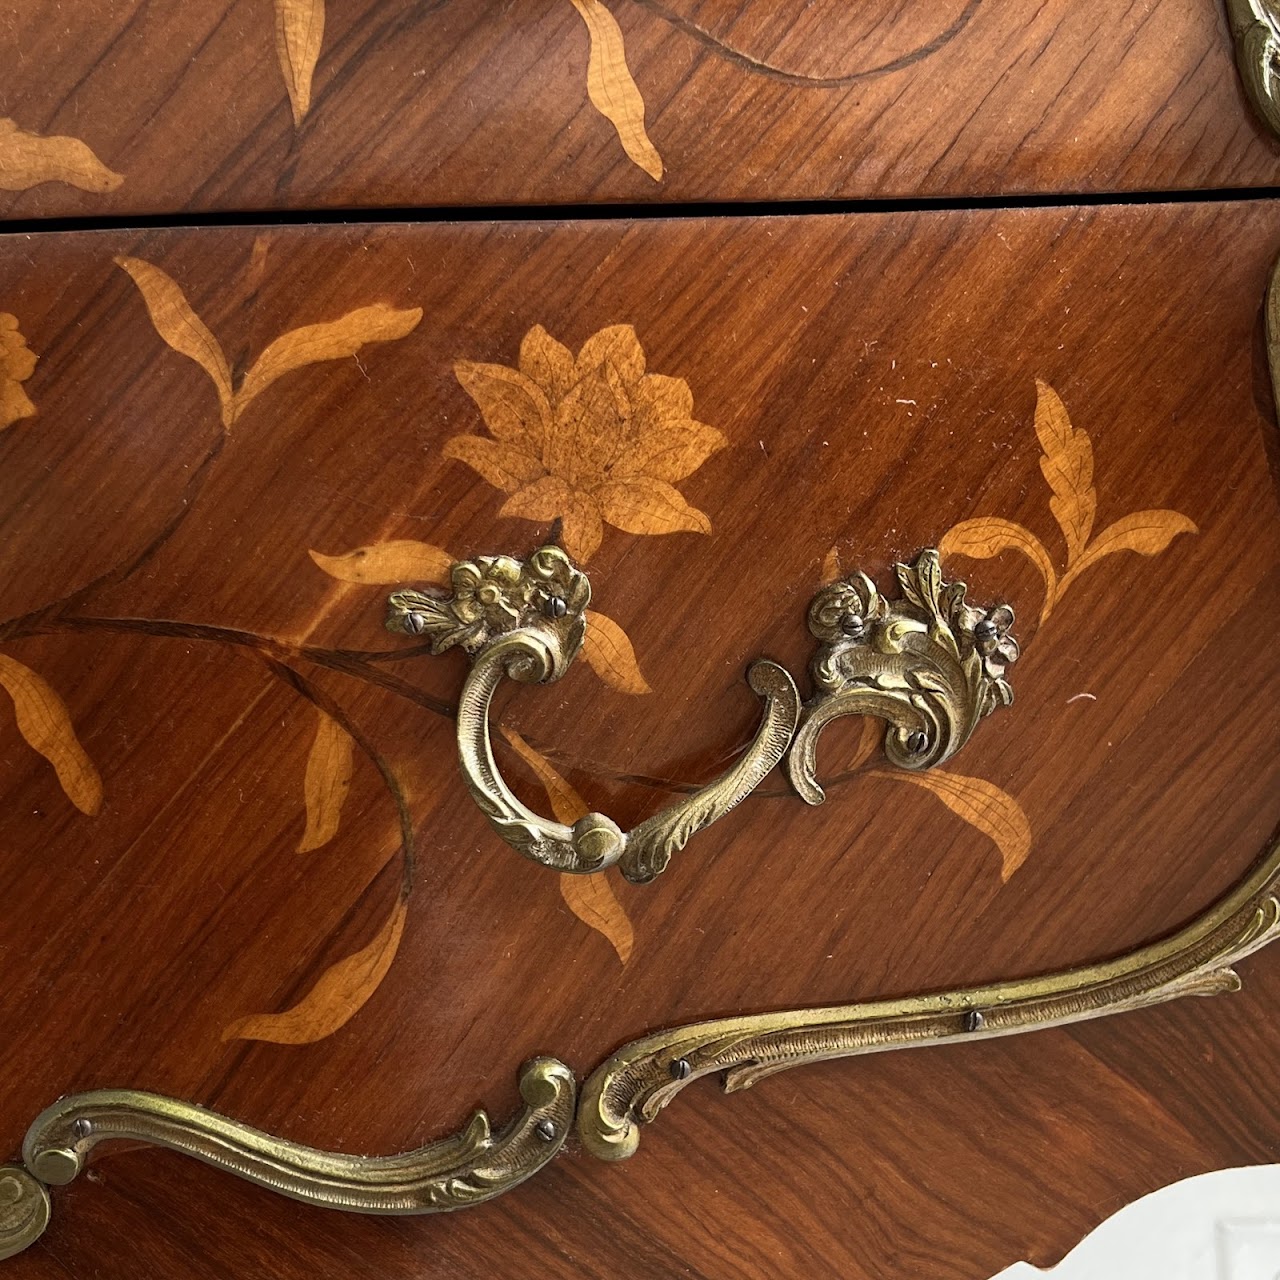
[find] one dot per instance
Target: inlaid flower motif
(591, 439)
(17, 364)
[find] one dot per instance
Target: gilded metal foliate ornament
(526, 620)
(465, 1169)
(930, 664)
(640, 1079)
(24, 1209)
(1255, 25)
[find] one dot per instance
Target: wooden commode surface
(238, 861)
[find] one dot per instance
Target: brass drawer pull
(525, 620)
(929, 664)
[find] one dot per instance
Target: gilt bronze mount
(526, 620)
(927, 663)
(635, 1083)
(1255, 25)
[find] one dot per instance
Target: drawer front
(241, 865)
(121, 106)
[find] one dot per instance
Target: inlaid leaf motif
(17, 364)
(181, 328)
(987, 536)
(612, 89)
(591, 898)
(334, 340)
(609, 651)
(27, 160)
(1146, 532)
(1067, 465)
(588, 439)
(339, 994)
(44, 722)
(593, 901)
(389, 564)
(566, 804)
(177, 323)
(983, 805)
(327, 782)
(299, 35)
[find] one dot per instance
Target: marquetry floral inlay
(28, 159)
(340, 992)
(17, 364)
(299, 35)
(183, 330)
(612, 88)
(45, 724)
(328, 780)
(591, 897)
(587, 439)
(1067, 465)
(40, 714)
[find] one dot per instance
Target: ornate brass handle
(929, 664)
(526, 620)
(1255, 24)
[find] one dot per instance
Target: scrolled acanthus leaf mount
(526, 620)
(929, 664)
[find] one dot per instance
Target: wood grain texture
(231, 105)
(192, 636)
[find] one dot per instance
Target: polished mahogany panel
(238, 863)
(124, 106)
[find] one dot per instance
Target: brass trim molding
(24, 1209)
(634, 1084)
(640, 1079)
(466, 1169)
(1255, 25)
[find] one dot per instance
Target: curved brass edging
(634, 1084)
(1255, 25)
(453, 1173)
(640, 1079)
